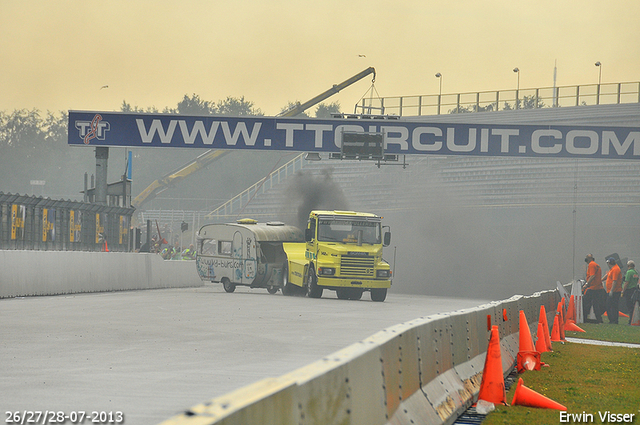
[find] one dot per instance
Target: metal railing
(235, 205)
(501, 100)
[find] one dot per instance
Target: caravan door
(244, 251)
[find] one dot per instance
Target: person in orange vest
(614, 288)
(594, 294)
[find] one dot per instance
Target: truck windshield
(348, 231)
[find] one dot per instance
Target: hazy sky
(56, 55)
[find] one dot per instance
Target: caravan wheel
(227, 285)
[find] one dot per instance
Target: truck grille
(356, 266)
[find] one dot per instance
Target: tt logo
(94, 129)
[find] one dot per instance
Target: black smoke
(308, 192)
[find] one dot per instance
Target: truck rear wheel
(378, 294)
(286, 286)
(227, 285)
(313, 290)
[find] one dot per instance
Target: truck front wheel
(378, 294)
(313, 290)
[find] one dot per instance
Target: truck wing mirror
(387, 238)
(308, 235)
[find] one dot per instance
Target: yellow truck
(339, 251)
(342, 252)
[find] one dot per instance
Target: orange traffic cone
(492, 389)
(571, 326)
(545, 326)
(527, 397)
(561, 320)
(541, 343)
(528, 358)
(635, 317)
(571, 311)
(526, 342)
(555, 332)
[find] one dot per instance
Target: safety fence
(500, 100)
(38, 223)
(426, 371)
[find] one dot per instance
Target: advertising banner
(325, 135)
(124, 229)
(101, 222)
(75, 226)
(48, 225)
(18, 215)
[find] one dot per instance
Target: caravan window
(224, 248)
(207, 247)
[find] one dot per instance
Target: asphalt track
(154, 353)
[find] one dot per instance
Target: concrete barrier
(27, 273)
(424, 371)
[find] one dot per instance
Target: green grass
(606, 332)
(584, 378)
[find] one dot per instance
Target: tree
(325, 110)
(237, 106)
(527, 102)
(126, 107)
(195, 106)
(290, 105)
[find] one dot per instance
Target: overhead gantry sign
(107, 129)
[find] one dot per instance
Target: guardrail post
(619, 88)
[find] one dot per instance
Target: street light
(439, 76)
(517, 71)
(599, 65)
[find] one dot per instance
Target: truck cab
(342, 252)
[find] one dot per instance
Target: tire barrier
(427, 371)
(27, 273)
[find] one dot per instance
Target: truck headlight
(326, 271)
(383, 273)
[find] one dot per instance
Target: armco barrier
(26, 273)
(425, 371)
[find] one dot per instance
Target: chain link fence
(44, 224)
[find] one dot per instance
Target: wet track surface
(152, 354)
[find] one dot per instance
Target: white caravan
(245, 253)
